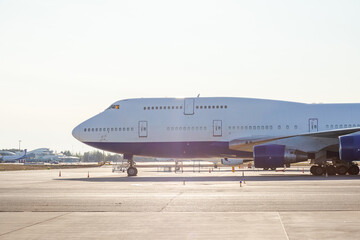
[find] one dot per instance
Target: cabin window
(84, 129)
(279, 127)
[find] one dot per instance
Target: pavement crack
(167, 204)
(31, 225)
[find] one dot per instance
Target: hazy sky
(62, 62)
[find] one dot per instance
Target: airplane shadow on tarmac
(267, 177)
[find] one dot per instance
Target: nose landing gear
(131, 171)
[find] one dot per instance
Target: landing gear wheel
(312, 168)
(318, 171)
(265, 168)
(341, 170)
(132, 171)
(353, 170)
(215, 166)
(331, 171)
(273, 168)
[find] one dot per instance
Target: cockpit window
(113, 107)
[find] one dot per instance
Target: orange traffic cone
(59, 173)
(88, 174)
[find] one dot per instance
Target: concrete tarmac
(167, 205)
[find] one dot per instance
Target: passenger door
(217, 128)
(313, 125)
(143, 129)
(188, 106)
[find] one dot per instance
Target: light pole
(19, 144)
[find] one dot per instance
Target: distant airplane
(15, 157)
(272, 133)
(232, 161)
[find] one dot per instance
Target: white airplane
(272, 133)
(15, 157)
(232, 161)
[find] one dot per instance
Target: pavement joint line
(177, 195)
(283, 227)
(31, 225)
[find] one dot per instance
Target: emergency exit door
(217, 128)
(143, 129)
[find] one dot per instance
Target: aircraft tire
(341, 170)
(318, 171)
(265, 168)
(132, 171)
(312, 169)
(353, 170)
(273, 168)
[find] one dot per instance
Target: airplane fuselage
(203, 127)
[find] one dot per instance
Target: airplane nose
(76, 132)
